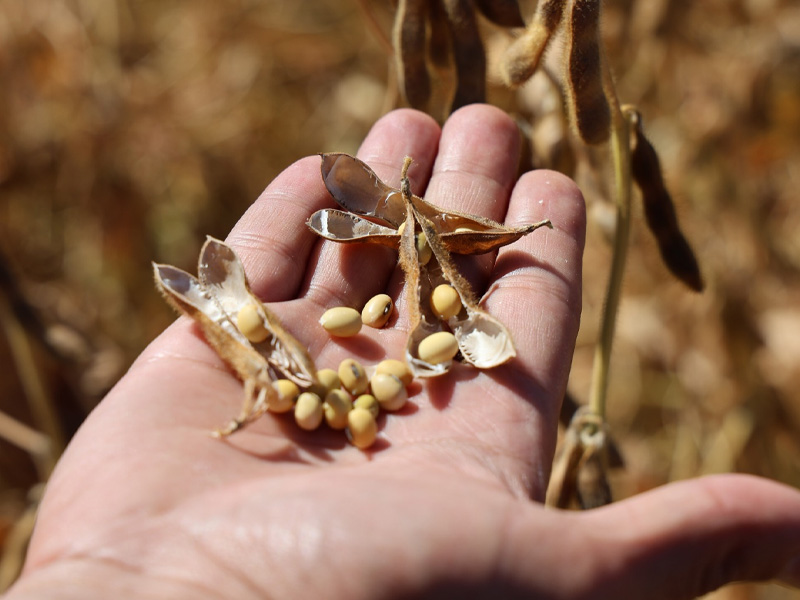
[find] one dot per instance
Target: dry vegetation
(130, 130)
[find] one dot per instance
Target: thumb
(690, 538)
(680, 541)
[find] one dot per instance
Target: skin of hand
(146, 504)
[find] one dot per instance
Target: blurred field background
(131, 129)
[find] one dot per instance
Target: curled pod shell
(358, 190)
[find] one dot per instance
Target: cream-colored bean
(286, 396)
(445, 301)
(464, 230)
(389, 391)
(398, 368)
(250, 323)
(341, 321)
(353, 376)
(361, 428)
(308, 411)
(336, 406)
(328, 380)
(369, 402)
(424, 251)
(423, 248)
(377, 311)
(438, 348)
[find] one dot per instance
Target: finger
(680, 541)
(349, 274)
(272, 239)
(477, 162)
(475, 172)
(536, 288)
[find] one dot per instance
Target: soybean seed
(445, 301)
(249, 322)
(361, 428)
(389, 391)
(438, 348)
(336, 406)
(328, 380)
(369, 402)
(287, 394)
(353, 376)
(398, 368)
(377, 311)
(423, 248)
(308, 411)
(341, 321)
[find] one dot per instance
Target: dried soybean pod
(409, 40)
(336, 406)
(377, 310)
(586, 96)
(504, 13)
(353, 376)
(439, 40)
(468, 54)
(287, 393)
(361, 428)
(308, 411)
(341, 321)
(398, 368)
(659, 210)
(521, 59)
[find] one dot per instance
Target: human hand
(145, 503)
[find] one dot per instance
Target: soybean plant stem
(620, 153)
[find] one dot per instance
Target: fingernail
(790, 574)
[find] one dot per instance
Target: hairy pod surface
(660, 213)
(589, 108)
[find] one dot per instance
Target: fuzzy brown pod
(586, 95)
(446, 33)
(358, 190)
(217, 299)
(522, 57)
(659, 209)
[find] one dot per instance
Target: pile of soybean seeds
(279, 375)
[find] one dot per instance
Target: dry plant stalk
(580, 471)
(215, 299)
(596, 115)
(377, 213)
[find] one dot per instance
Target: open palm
(146, 503)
